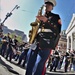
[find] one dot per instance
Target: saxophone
(35, 26)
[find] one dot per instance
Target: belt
(45, 30)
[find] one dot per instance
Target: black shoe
(18, 64)
(54, 70)
(65, 71)
(6, 58)
(23, 65)
(50, 70)
(10, 60)
(15, 59)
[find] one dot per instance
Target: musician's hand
(42, 18)
(27, 45)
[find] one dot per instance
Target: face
(15, 36)
(49, 7)
(8, 34)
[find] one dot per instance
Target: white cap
(51, 1)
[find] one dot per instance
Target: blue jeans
(36, 64)
(31, 61)
(23, 55)
(9, 52)
(74, 67)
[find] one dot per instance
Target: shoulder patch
(59, 21)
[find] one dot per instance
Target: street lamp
(7, 15)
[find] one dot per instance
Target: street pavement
(4, 71)
(59, 72)
(11, 68)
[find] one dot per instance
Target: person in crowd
(9, 50)
(4, 46)
(74, 60)
(60, 61)
(55, 61)
(1, 30)
(23, 55)
(49, 61)
(67, 60)
(15, 46)
(71, 59)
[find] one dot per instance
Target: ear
(52, 8)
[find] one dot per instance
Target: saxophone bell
(33, 24)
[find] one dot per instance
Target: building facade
(70, 32)
(62, 44)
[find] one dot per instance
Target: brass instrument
(35, 26)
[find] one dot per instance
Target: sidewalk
(59, 72)
(8, 68)
(4, 70)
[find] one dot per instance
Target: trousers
(37, 61)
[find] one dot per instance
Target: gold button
(50, 17)
(50, 36)
(46, 15)
(54, 25)
(51, 23)
(54, 33)
(48, 21)
(42, 29)
(43, 24)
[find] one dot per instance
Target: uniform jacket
(50, 39)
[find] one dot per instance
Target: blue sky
(22, 17)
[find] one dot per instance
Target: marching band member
(47, 40)
(9, 50)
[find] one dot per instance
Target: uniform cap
(50, 1)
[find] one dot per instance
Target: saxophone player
(47, 40)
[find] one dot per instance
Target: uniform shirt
(15, 43)
(9, 40)
(56, 54)
(53, 23)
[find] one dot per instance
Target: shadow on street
(9, 68)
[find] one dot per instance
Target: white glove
(33, 46)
